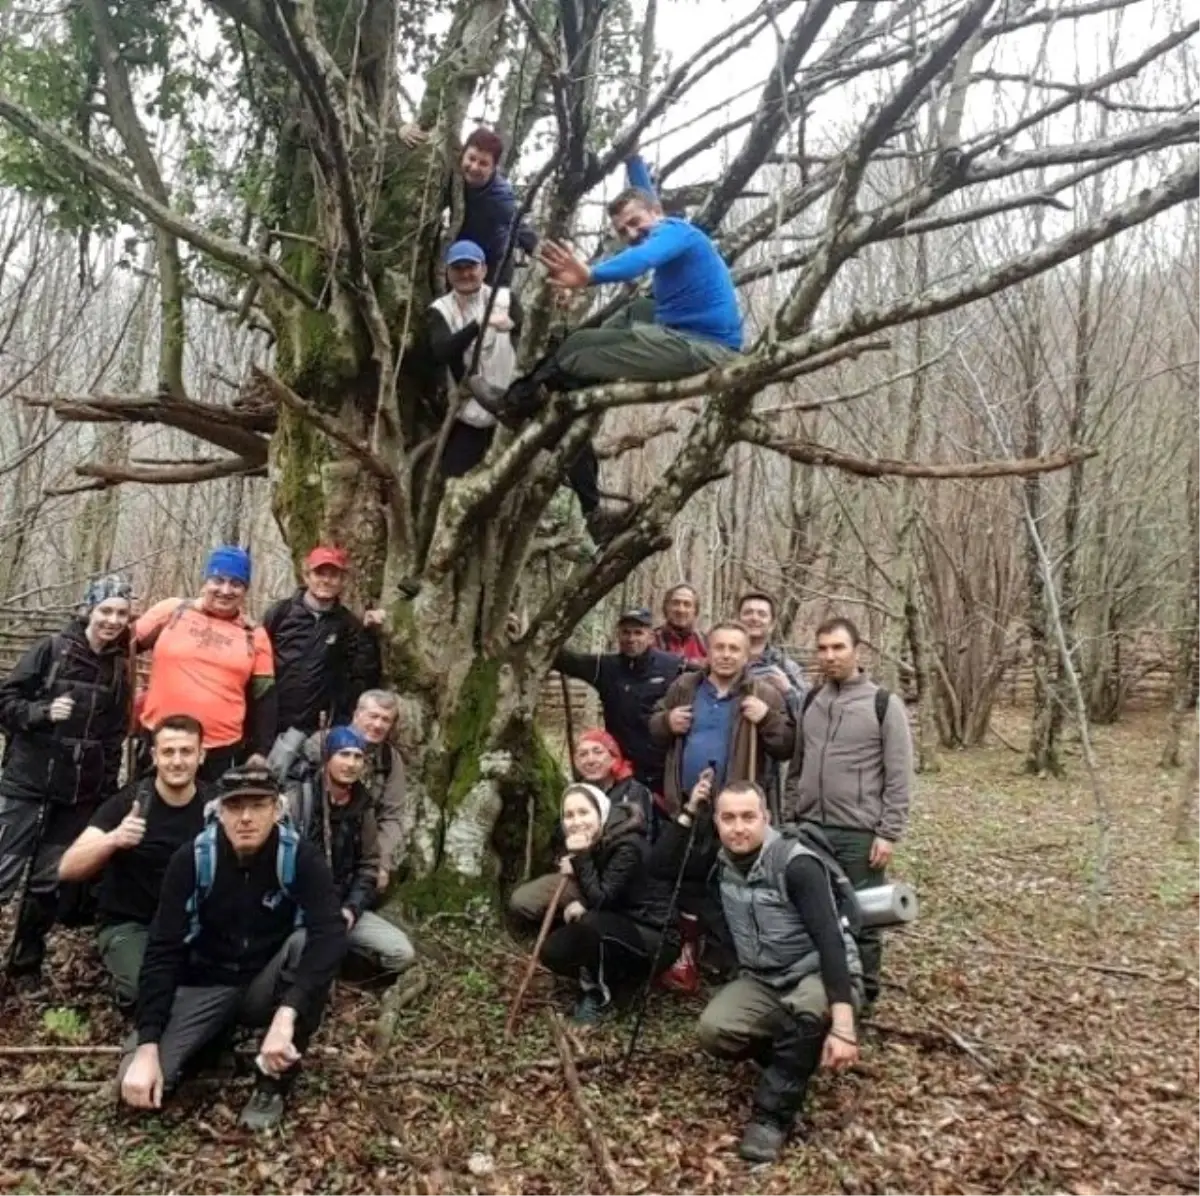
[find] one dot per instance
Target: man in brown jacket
(709, 719)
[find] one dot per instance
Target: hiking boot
(590, 1008)
(762, 1141)
(264, 1109)
(511, 407)
(604, 523)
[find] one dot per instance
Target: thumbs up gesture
(131, 830)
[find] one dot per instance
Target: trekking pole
(39, 831)
(668, 921)
(543, 932)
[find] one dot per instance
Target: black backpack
(811, 836)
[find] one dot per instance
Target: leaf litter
(1014, 1049)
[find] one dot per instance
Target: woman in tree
(615, 913)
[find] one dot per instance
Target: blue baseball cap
(465, 251)
(638, 615)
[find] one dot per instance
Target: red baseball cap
(324, 554)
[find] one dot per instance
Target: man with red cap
(325, 656)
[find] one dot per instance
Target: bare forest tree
(893, 165)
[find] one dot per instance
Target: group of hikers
(263, 813)
(690, 323)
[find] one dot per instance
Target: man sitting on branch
(696, 327)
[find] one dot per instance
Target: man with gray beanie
(65, 712)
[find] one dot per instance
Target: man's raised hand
(701, 794)
(61, 707)
(130, 831)
(566, 270)
(754, 709)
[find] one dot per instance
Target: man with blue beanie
(211, 661)
(332, 809)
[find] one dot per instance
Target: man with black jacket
(793, 1004)
(130, 842)
(334, 810)
(324, 655)
(630, 682)
(65, 712)
(249, 929)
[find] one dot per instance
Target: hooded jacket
(488, 213)
(323, 661)
(613, 873)
(630, 687)
(384, 781)
(776, 734)
(76, 761)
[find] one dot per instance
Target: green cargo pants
(631, 347)
(741, 1015)
(852, 848)
(122, 946)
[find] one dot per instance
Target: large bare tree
(256, 144)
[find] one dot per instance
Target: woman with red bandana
(598, 761)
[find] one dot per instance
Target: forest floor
(1015, 1050)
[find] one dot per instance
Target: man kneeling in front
(792, 1005)
(249, 930)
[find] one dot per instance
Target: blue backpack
(204, 850)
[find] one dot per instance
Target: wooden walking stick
(753, 752)
(547, 922)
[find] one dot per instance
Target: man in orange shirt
(210, 661)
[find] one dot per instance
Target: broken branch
(600, 1151)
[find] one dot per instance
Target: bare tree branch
(110, 176)
(326, 423)
(808, 453)
(123, 113)
(222, 426)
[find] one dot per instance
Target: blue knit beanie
(343, 739)
(229, 561)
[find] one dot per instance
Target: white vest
(497, 360)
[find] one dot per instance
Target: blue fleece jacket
(637, 174)
(693, 290)
(488, 213)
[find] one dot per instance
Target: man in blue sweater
(697, 325)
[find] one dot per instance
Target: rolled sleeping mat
(888, 905)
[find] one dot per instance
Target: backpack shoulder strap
(809, 698)
(204, 853)
(285, 866)
(882, 697)
(171, 620)
(58, 652)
